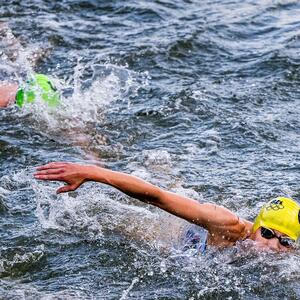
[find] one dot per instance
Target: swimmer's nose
(275, 245)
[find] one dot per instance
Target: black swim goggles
(283, 240)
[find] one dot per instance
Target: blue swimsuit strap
(196, 239)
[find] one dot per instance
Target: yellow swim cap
(282, 214)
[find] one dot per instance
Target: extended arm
(7, 94)
(218, 220)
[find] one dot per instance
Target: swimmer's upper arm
(218, 220)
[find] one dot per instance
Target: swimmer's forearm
(202, 214)
(128, 184)
(76, 174)
(183, 207)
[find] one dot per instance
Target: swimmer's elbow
(156, 197)
(153, 196)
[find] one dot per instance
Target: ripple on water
(199, 99)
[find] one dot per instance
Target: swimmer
(36, 85)
(277, 226)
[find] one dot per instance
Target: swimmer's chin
(252, 246)
(261, 247)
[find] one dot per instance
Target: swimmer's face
(273, 240)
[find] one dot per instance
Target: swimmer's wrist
(99, 174)
(92, 173)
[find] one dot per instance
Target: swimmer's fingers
(53, 177)
(71, 173)
(52, 165)
(67, 188)
(50, 171)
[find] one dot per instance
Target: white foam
(85, 100)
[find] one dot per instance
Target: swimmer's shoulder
(246, 228)
(240, 230)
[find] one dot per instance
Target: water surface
(198, 97)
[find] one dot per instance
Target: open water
(199, 97)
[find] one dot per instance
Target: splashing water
(218, 121)
(86, 96)
(93, 210)
(85, 102)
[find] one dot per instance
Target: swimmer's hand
(74, 175)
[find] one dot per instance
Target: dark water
(200, 97)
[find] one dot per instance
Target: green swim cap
(41, 85)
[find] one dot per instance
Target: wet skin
(224, 227)
(7, 94)
(269, 244)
